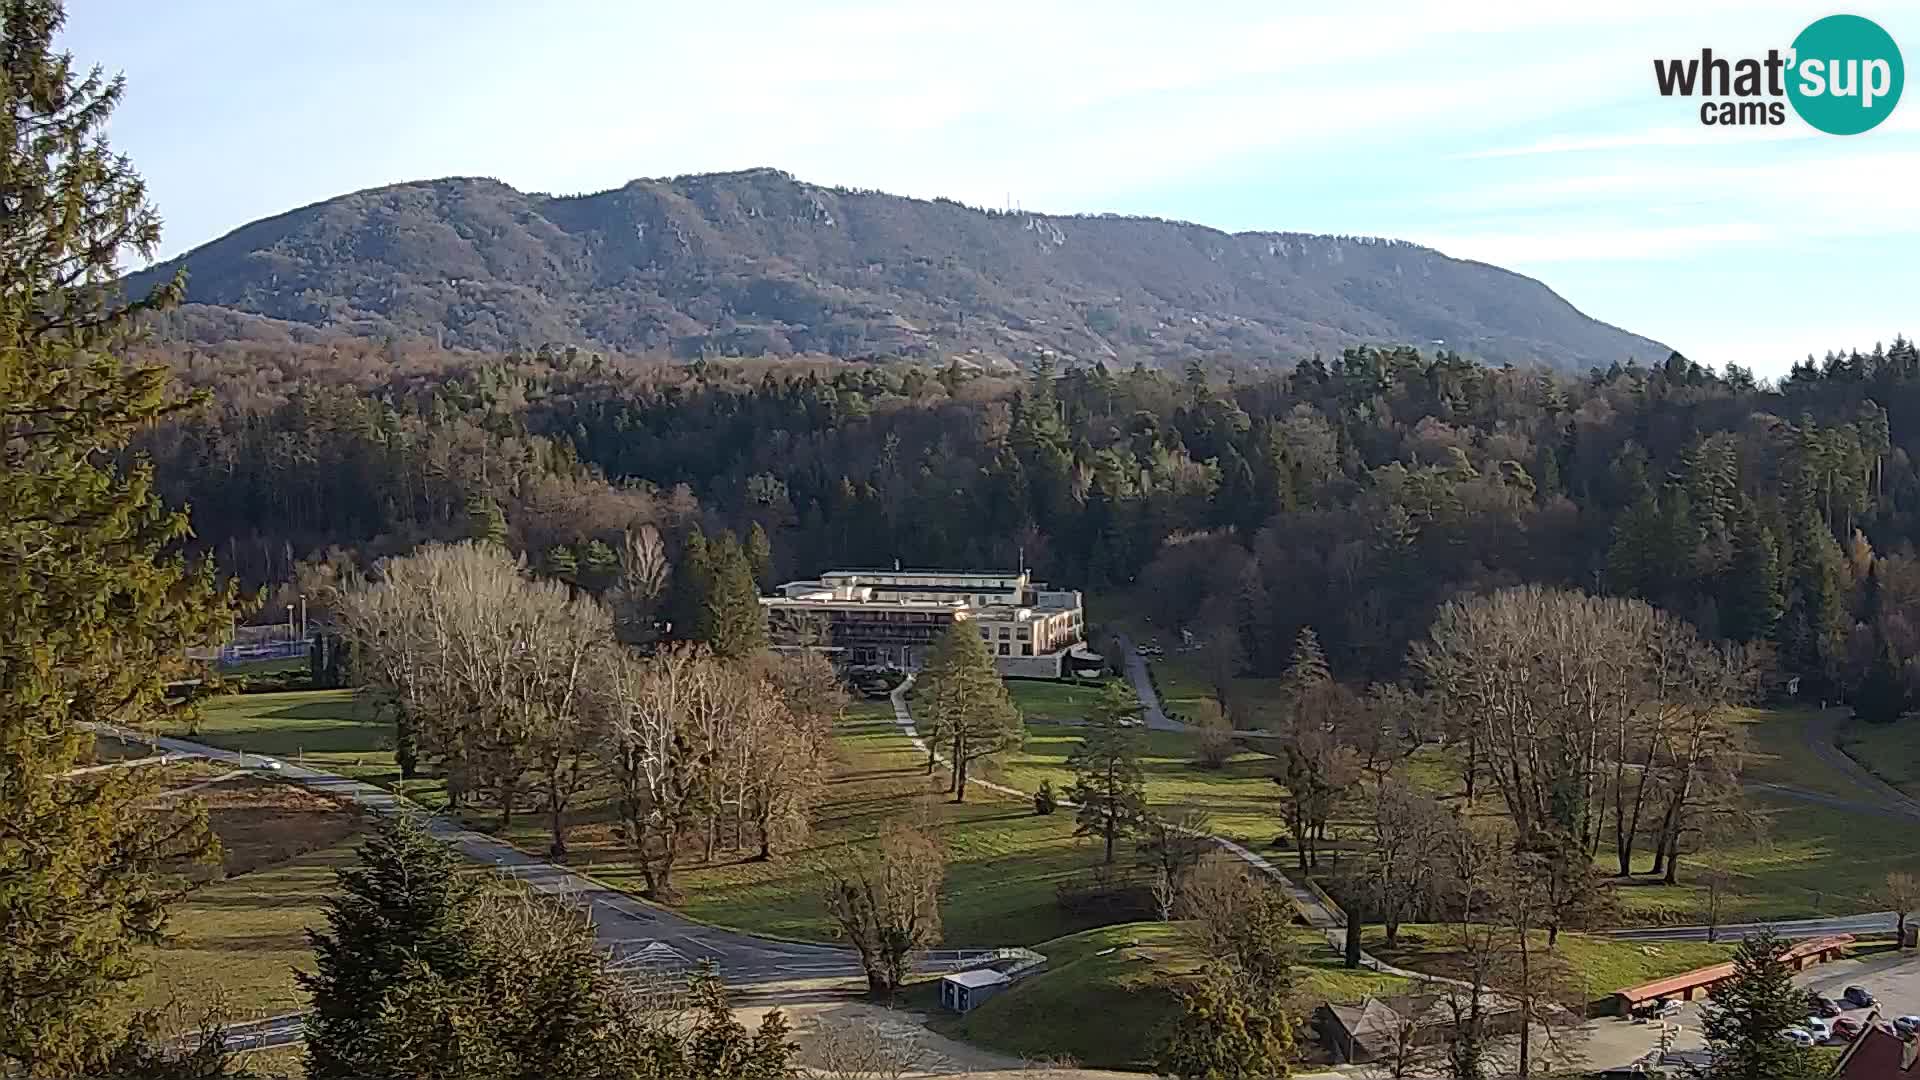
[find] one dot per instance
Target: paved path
(1822, 737)
(624, 925)
(1316, 908)
(1142, 680)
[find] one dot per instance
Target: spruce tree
(1108, 786)
(96, 603)
(692, 584)
(735, 622)
(402, 935)
(760, 556)
(1750, 601)
(485, 522)
(1746, 1014)
(1882, 696)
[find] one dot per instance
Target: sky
(1519, 134)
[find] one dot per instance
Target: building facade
(891, 618)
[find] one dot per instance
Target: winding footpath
(1878, 798)
(1315, 907)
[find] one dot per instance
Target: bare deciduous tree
(1901, 892)
(885, 900)
(661, 771)
(1172, 848)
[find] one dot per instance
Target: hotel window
(1026, 650)
(1003, 649)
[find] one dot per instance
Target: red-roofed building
(1879, 1054)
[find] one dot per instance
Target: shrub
(1045, 801)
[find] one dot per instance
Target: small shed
(963, 991)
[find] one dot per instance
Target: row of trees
(512, 687)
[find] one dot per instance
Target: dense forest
(1353, 495)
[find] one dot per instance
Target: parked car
(268, 764)
(1846, 1028)
(1819, 1029)
(1798, 1036)
(1907, 1026)
(1820, 1004)
(1858, 997)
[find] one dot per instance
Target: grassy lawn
(1240, 799)
(235, 943)
(1113, 1010)
(1602, 964)
(1777, 753)
(1813, 860)
(1003, 860)
(1043, 701)
(1889, 751)
(234, 940)
(327, 729)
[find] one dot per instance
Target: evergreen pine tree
(599, 566)
(562, 564)
(736, 624)
(692, 584)
(966, 704)
(1813, 629)
(1882, 696)
(1108, 786)
(485, 522)
(1750, 601)
(96, 604)
(1746, 1014)
(402, 932)
(1308, 667)
(760, 556)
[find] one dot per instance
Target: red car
(1847, 1028)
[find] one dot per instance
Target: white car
(1819, 1029)
(268, 764)
(1797, 1036)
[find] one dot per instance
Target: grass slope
(1602, 964)
(1889, 751)
(327, 729)
(1113, 1010)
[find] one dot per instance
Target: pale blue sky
(1516, 133)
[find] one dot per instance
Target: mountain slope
(757, 262)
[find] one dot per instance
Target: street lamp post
(303, 616)
(289, 622)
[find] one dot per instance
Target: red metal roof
(1707, 976)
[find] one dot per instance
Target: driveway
(1142, 681)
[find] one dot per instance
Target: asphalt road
(1156, 717)
(626, 926)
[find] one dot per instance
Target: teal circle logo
(1846, 75)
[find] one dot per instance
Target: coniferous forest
(1353, 495)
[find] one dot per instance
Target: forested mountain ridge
(758, 263)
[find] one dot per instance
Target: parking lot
(1893, 978)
